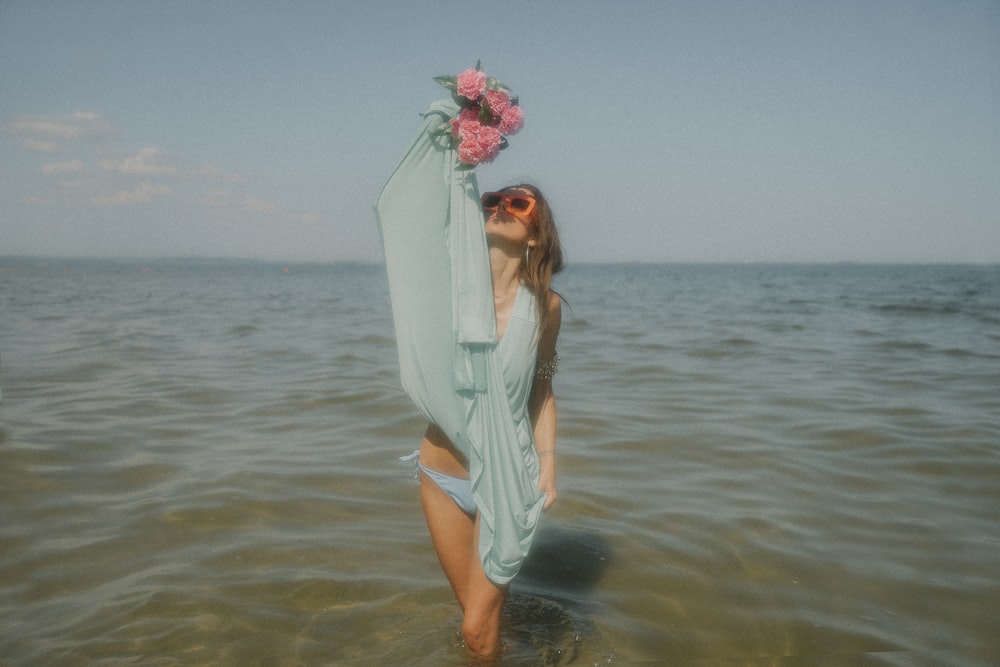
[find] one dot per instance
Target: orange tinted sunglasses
(518, 204)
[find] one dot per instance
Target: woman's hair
(546, 258)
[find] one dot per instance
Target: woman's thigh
(452, 533)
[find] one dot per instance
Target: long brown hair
(545, 259)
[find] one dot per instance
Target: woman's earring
(527, 250)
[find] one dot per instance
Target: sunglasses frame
(506, 200)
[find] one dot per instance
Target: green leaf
(494, 84)
(485, 112)
(449, 82)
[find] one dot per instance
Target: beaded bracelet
(547, 369)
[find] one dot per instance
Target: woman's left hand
(547, 485)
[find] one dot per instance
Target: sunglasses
(518, 204)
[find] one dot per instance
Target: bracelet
(547, 369)
(546, 453)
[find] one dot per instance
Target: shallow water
(198, 465)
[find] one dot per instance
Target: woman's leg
(455, 536)
(452, 532)
(483, 605)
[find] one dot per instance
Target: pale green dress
(474, 387)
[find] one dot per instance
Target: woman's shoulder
(554, 305)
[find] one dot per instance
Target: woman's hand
(547, 478)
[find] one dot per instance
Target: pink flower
(485, 118)
(499, 102)
(471, 84)
(467, 115)
(511, 120)
(480, 143)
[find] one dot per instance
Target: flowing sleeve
(438, 270)
(437, 263)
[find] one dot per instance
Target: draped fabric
(450, 359)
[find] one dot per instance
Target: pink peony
(511, 120)
(480, 143)
(486, 117)
(499, 102)
(467, 115)
(471, 84)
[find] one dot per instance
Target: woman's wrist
(547, 452)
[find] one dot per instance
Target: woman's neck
(506, 270)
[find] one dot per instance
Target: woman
(476, 321)
(524, 253)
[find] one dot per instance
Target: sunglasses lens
(491, 200)
(519, 204)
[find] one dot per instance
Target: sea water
(199, 465)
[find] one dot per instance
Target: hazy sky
(660, 131)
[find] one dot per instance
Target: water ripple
(760, 464)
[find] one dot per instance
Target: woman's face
(507, 224)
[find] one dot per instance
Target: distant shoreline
(6, 260)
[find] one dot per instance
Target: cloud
(257, 205)
(237, 203)
(39, 146)
(50, 128)
(94, 169)
(41, 133)
(222, 198)
(145, 163)
(67, 167)
(143, 193)
(216, 198)
(206, 170)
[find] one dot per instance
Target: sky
(660, 131)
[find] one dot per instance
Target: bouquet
(489, 114)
